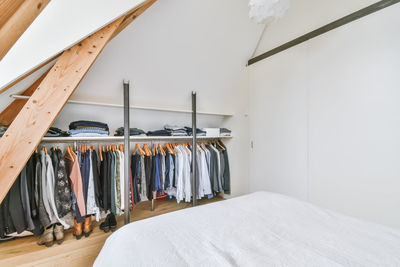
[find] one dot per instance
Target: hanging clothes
(112, 179)
(96, 178)
(91, 206)
(62, 186)
(77, 186)
(25, 200)
(169, 175)
(136, 177)
(122, 179)
(142, 185)
(226, 174)
(118, 181)
(148, 164)
(50, 186)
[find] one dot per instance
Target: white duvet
(260, 229)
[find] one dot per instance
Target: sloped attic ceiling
(175, 47)
(60, 25)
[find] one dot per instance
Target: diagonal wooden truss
(48, 96)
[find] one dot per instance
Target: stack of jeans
(224, 132)
(132, 132)
(3, 129)
(159, 133)
(56, 132)
(176, 130)
(199, 132)
(88, 128)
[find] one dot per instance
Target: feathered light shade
(264, 11)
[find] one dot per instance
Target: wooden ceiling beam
(16, 25)
(7, 9)
(42, 108)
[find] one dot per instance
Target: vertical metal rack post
(126, 151)
(194, 146)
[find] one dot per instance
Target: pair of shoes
(47, 237)
(59, 233)
(77, 229)
(110, 223)
(51, 233)
(87, 226)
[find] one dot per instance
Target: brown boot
(77, 229)
(47, 237)
(59, 233)
(87, 226)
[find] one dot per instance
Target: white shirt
(91, 207)
(179, 174)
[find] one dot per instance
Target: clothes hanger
(141, 151)
(168, 146)
(147, 150)
(154, 149)
(186, 148)
(172, 149)
(198, 148)
(134, 149)
(161, 149)
(223, 148)
(205, 148)
(100, 154)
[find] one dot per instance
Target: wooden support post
(15, 26)
(37, 115)
(9, 113)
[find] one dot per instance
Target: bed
(259, 229)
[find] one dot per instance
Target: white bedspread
(260, 229)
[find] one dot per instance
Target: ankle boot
(112, 222)
(47, 237)
(77, 229)
(87, 226)
(105, 226)
(59, 233)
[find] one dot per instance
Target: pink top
(76, 181)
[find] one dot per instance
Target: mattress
(259, 229)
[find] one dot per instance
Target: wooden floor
(72, 252)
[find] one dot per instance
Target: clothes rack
(126, 139)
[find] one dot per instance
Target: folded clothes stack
(224, 132)
(176, 130)
(88, 128)
(3, 129)
(199, 132)
(52, 132)
(159, 133)
(56, 132)
(132, 132)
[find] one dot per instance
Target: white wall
(175, 47)
(325, 119)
